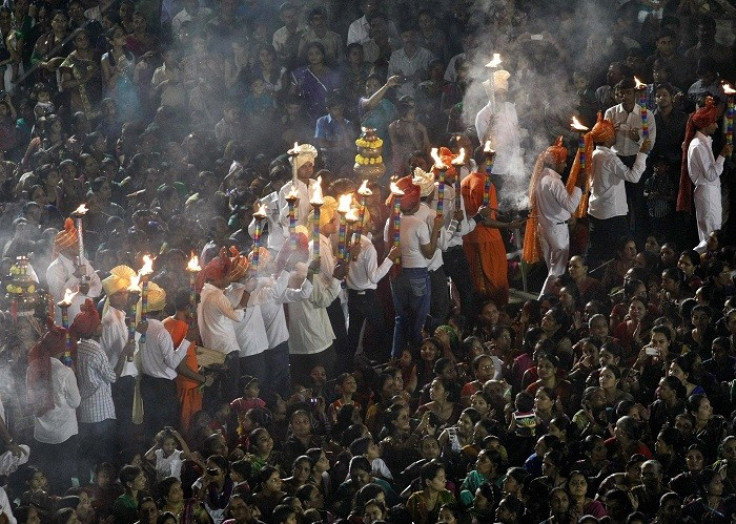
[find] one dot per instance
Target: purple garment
(314, 90)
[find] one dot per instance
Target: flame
(363, 189)
(495, 61)
(352, 216)
(438, 163)
(147, 268)
(728, 90)
(577, 125)
(317, 199)
(294, 150)
(68, 296)
(134, 286)
(488, 149)
(395, 189)
(344, 203)
(81, 210)
(460, 158)
(293, 194)
(193, 264)
(639, 84)
(260, 212)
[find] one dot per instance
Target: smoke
(540, 48)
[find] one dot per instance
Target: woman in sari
(314, 81)
(81, 77)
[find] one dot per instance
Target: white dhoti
(554, 241)
(708, 212)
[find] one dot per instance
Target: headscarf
(39, 387)
(119, 279)
(602, 130)
(67, 237)
(306, 153)
(701, 118)
(156, 297)
(216, 269)
(86, 322)
(410, 197)
(555, 153)
(424, 180)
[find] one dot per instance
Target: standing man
(551, 208)
(704, 171)
(607, 207)
(304, 162)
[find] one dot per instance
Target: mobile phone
(538, 36)
(654, 352)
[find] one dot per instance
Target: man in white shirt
(216, 319)
(159, 359)
(627, 120)
(703, 171)
(411, 62)
(553, 206)
(69, 271)
(119, 346)
(607, 207)
(318, 31)
(287, 37)
(304, 162)
(359, 30)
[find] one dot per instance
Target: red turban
(86, 322)
(700, 119)
(216, 269)
(39, 387)
(238, 264)
(412, 193)
(67, 237)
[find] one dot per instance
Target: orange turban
(216, 269)
(701, 118)
(602, 131)
(67, 237)
(238, 264)
(411, 195)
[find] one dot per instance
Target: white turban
(424, 180)
(306, 153)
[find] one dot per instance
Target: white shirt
(504, 134)
(114, 338)
(302, 207)
(413, 233)
(59, 423)
(428, 215)
(365, 273)
(215, 317)
(359, 31)
(407, 66)
(624, 145)
(158, 356)
(277, 233)
(60, 277)
(453, 237)
(607, 190)
(554, 204)
(7, 508)
(310, 330)
(250, 331)
(704, 169)
(271, 295)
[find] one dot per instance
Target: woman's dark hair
(514, 505)
(221, 463)
(486, 489)
(693, 402)
(441, 364)
(359, 463)
(430, 470)
(621, 243)
(450, 387)
(128, 474)
(472, 414)
(670, 436)
(676, 386)
(317, 45)
(166, 484)
(281, 513)
(265, 473)
(368, 492)
(704, 479)
(392, 414)
(166, 515)
(304, 493)
(693, 256)
(685, 363)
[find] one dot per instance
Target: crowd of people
(270, 366)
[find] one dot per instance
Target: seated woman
(443, 402)
(424, 506)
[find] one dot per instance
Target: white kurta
(705, 172)
(60, 277)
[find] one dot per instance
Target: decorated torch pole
(293, 153)
(145, 273)
(66, 357)
(133, 289)
(580, 129)
(291, 199)
(641, 88)
(490, 155)
(193, 268)
(364, 193)
(352, 217)
(458, 162)
(78, 214)
(259, 214)
(441, 168)
(730, 93)
(396, 214)
(316, 202)
(342, 209)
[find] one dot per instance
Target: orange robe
(484, 246)
(190, 396)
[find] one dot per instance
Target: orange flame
(344, 203)
(81, 210)
(639, 84)
(728, 90)
(460, 158)
(488, 149)
(68, 296)
(134, 286)
(363, 189)
(352, 215)
(193, 264)
(395, 189)
(495, 61)
(438, 163)
(260, 212)
(147, 268)
(317, 199)
(577, 125)
(293, 194)
(295, 150)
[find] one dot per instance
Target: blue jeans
(411, 291)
